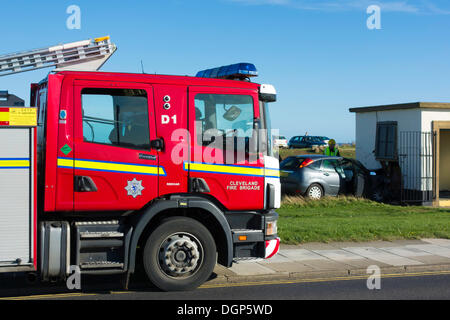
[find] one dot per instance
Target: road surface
(435, 285)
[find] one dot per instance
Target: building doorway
(444, 167)
(442, 164)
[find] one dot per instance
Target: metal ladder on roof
(86, 55)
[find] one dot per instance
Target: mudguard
(181, 202)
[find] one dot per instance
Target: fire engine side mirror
(157, 144)
(267, 93)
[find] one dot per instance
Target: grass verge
(354, 219)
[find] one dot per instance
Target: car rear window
(315, 165)
(290, 163)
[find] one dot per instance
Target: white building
(414, 137)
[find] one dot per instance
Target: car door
(331, 177)
(288, 177)
(300, 142)
(361, 183)
(114, 167)
(306, 143)
(293, 142)
(347, 169)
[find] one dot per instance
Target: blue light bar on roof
(232, 71)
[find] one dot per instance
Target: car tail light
(306, 163)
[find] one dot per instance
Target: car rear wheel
(314, 192)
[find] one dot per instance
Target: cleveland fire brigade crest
(134, 188)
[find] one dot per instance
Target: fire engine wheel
(180, 254)
(314, 192)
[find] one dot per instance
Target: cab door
(222, 169)
(114, 166)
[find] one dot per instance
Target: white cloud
(432, 8)
(404, 6)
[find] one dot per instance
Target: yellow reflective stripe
(14, 163)
(230, 169)
(272, 173)
(109, 166)
(82, 164)
(226, 169)
(65, 163)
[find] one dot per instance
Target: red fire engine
(108, 170)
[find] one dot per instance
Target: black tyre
(180, 254)
(315, 192)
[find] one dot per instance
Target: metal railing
(416, 159)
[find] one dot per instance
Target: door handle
(326, 174)
(84, 184)
(144, 156)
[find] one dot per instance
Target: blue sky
(319, 54)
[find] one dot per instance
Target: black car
(315, 176)
(306, 142)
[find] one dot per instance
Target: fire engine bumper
(254, 234)
(272, 247)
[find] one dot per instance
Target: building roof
(402, 106)
(10, 100)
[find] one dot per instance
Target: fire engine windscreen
(116, 117)
(223, 116)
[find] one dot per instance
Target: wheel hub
(180, 254)
(315, 192)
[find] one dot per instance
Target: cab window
(117, 117)
(42, 104)
(223, 115)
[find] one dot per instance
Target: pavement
(341, 259)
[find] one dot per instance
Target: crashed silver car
(315, 176)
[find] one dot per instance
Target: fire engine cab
(105, 171)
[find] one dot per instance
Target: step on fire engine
(105, 171)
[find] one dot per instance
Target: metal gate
(416, 150)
